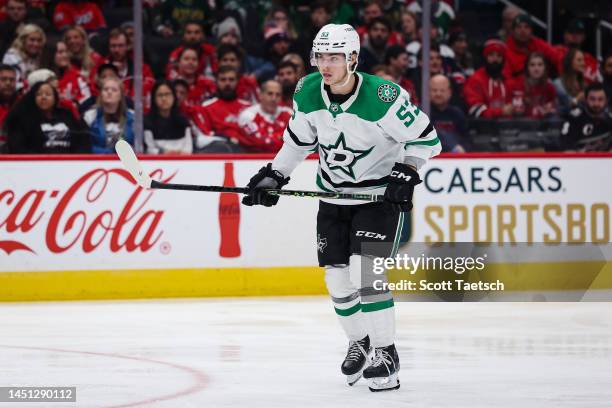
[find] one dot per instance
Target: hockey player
(371, 139)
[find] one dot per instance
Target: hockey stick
(132, 165)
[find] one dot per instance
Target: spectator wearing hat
(508, 16)
(573, 37)
(533, 95)
(193, 36)
(233, 56)
(485, 92)
(521, 43)
(86, 14)
(277, 44)
(464, 60)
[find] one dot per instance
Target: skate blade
(384, 383)
(352, 379)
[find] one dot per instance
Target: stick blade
(131, 164)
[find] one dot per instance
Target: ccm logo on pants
(369, 234)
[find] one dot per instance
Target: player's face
(332, 67)
(536, 68)
(188, 63)
(164, 98)
(61, 59)
(596, 101)
(74, 41)
(193, 34)
(45, 98)
(34, 44)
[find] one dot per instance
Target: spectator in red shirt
(264, 123)
(201, 88)
(8, 97)
(222, 131)
(233, 56)
(118, 56)
(81, 55)
(533, 95)
(193, 36)
(86, 14)
(521, 43)
(71, 85)
(396, 60)
(573, 37)
(485, 92)
(287, 76)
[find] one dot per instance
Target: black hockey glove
(266, 178)
(399, 191)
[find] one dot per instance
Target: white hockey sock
(377, 306)
(346, 300)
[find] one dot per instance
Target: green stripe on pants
(376, 306)
(350, 311)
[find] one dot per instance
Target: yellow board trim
(273, 281)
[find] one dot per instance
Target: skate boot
(382, 373)
(356, 359)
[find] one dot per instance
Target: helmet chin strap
(349, 72)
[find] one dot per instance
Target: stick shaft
(244, 190)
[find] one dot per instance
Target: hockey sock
(377, 306)
(346, 301)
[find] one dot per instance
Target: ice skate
(383, 372)
(356, 359)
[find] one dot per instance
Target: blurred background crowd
(218, 76)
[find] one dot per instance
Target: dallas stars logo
(339, 156)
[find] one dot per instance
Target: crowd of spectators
(219, 76)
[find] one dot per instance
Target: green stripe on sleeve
(431, 142)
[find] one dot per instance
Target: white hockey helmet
(336, 38)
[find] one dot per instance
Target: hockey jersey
(359, 140)
(264, 130)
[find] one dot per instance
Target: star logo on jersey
(339, 156)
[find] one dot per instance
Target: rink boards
(78, 228)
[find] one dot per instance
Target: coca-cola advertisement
(90, 215)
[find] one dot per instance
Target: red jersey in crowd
(535, 101)
(207, 65)
(221, 118)
(73, 86)
(5, 108)
(248, 89)
(591, 69)
(87, 14)
(516, 57)
(264, 131)
(485, 96)
(201, 90)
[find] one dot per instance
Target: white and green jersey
(360, 140)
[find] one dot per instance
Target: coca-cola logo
(77, 220)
